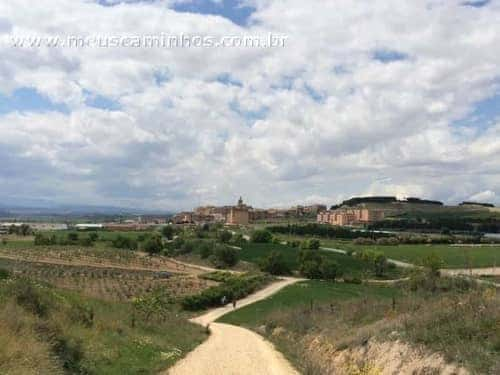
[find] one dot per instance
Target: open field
(69, 333)
(105, 283)
(252, 252)
(302, 295)
(452, 256)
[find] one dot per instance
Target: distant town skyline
(387, 97)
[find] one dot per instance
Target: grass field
(303, 294)
(252, 252)
(452, 256)
(68, 333)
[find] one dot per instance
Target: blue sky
(235, 10)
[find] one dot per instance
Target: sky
(387, 97)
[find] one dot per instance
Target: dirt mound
(381, 358)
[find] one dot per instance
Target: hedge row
(232, 289)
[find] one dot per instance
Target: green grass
(452, 256)
(110, 344)
(302, 294)
(252, 252)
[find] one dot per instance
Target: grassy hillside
(452, 317)
(68, 333)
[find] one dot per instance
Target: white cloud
(319, 118)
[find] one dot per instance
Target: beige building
(350, 216)
(239, 214)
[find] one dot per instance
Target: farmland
(452, 256)
(105, 283)
(462, 256)
(253, 252)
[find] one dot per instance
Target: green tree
(225, 236)
(329, 269)
(168, 232)
(261, 236)
(380, 264)
(225, 256)
(206, 249)
(153, 245)
(275, 264)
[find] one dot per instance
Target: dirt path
(235, 350)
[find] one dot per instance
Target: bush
(363, 241)
(349, 279)
(206, 249)
(28, 296)
(153, 245)
(388, 241)
(187, 247)
(329, 270)
(310, 244)
(433, 263)
(261, 236)
(275, 264)
(225, 256)
(122, 242)
(4, 274)
(168, 232)
(239, 240)
(233, 288)
(42, 240)
(225, 236)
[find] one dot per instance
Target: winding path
(234, 350)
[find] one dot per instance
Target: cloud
(484, 196)
(363, 100)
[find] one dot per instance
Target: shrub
(275, 264)
(329, 269)
(4, 274)
(349, 279)
(380, 264)
(153, 245)
(122, 242)
(225, 236)
(187, 247)
(432, 263)
(261, 236)
(310, 244)
(206, 249)
(168, 232)
(42, 240)
(388, 241)
(363, 241)
(27, 296)
(233, 288)
(225, 256)
(311, 269)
